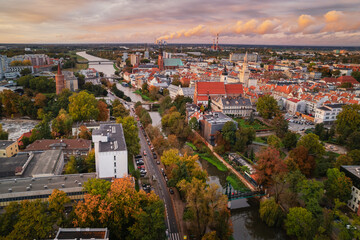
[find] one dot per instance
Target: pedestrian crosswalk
(174, 236)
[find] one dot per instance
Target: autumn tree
(9, 218)
(62, 124)
(203, 205)
(57, 201)
(84, 132)
(269, 164)
(40, 100)
(312, 143)
(343, 160)
(281, 125)
(83, 106)
(130, 129)
(97, 186)
(118, 109)
(90, 161)
(304, 161)
(123, 210)
(267, 106)
(103, 111)
(338, 185)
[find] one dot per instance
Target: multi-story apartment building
(327, 114)
(111, 156)
(8, 148)
(234, 106)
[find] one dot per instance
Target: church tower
(245, 72)
(60, 80)
(224, 75)
(161, 60)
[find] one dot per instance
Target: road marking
(174, 236)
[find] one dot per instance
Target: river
(246, 220)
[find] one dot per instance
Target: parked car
(171, 191)
(141, 167)
(138, 156)
(144, 153)
(158, 162)
(154, 155)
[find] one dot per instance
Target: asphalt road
(160, 186)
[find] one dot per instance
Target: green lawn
(214, 161)
(257, 125)
(131, 165)
(260, 140)
(236, 183)
(146, 98)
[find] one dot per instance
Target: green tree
(97, 186)
(62, 124)
(83, 106)
(270, 212)
(338, 185)
(267, 106)
(311, 191)
(300, 223)
(25, 71)
(41, 130)
(165, 103)
(353, 141)
(244, 137)
(130, 129)
(118, 109)
(343, 160)
(356, 75)
(355, 156)
(274, 141)
(290, 140)
(71, 166)
(281, 125)
(9, 218)
(3, 134)
(228, 132)
(34, 222)
(193, 124)
(90, 161)
(312, 143)
(348, 120)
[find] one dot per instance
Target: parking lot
(298, 124)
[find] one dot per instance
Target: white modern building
(353, 172)
(111, 156)
(327, 114)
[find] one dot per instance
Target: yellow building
(8, 148)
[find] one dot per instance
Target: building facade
(8, 148)
(111, 156)
(234, 106)
(327, 114)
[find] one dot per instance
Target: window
(114, 164)
(114, 170)
(115, 176)
(114, 157)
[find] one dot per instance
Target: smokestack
(59, 68)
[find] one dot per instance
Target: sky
(279, 22)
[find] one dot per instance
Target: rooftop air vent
(27, 188)
(10, 189)
(79, 184)
(45, 186)
(63, 185)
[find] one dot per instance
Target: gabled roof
(210, 88)
(234, 88)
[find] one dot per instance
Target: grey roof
(43, 163)
(235, 101)
(336, 105)
(5, 143)
(82, 233)
(10, 164)
(217, 118)
(43, 185)
(115, 137)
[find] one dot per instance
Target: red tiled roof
(347, 79)
(210, 88)
(234, 88)
(202, 98)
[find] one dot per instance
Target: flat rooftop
(115, 137)
(43, 185)
(8, 165)
(82, 233)
(43, 163)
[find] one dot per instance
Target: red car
(144, 153)
(141, 167)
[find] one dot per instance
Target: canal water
(246, 220)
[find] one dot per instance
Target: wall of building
(112, 164)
